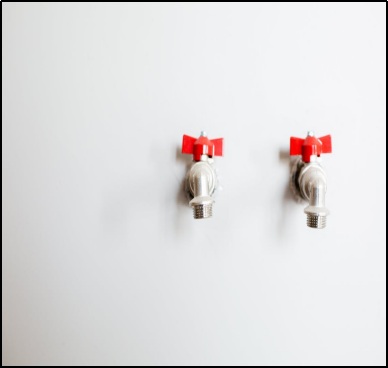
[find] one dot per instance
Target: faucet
(201, 179)
(308, 178)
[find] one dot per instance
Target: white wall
(102, 261)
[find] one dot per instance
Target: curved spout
(201, 183)
(312, 183)
(316, 211)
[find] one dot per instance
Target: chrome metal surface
(308, 180)
(200, 184)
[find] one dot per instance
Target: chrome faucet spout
(316, 211)
(200, 181)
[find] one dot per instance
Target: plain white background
(102, 261)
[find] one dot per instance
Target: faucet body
(309, 182)
(201, 178)
(308, 178)
(201, 181)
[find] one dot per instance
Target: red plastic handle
(202, 146)
(310, 146)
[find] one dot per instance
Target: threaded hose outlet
(202, 211)
(316, 221)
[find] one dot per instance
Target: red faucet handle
(202, 146)
(310, 146)
(218, 146)
(326, 143)
(188, 144)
